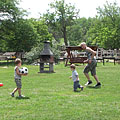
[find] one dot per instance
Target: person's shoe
(88, 83)
(75, 90)
(12, 94)
(21, 96)
(98, 84)
(82, 88)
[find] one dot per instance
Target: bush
(34, 54)
(56, 53)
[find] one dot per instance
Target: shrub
(34, 54)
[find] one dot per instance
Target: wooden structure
(103, 55)
(9, 57)
(109, 58)
(76, 59)
(13, 55)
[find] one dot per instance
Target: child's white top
(15, 73)
(75, 75)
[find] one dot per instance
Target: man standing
(91, 66)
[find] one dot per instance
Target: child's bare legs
(15, 90)
(19, 91)
(12, 94)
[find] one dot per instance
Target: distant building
(11, 55)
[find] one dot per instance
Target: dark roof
(9, 53)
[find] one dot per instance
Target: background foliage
(60, 22)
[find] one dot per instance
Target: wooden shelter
(76, 59)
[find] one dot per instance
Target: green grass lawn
(51, 96)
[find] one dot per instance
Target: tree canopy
(60, 22)
(9, 9)
(63, 16)
(106, 27)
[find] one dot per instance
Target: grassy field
(51, 96)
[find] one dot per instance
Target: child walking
(17, 77)
(75, 78)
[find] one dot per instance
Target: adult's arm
(93, 53)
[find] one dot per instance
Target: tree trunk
(65, 36)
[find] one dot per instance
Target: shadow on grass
(78, 91)
(93, 87)
(18, 98)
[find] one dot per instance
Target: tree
(106, 27)
(19, 35)
(62, 17)
(9, 9)
(9, 14)
(110, 16)
(42, 35)
(78, 32)
(42, 30)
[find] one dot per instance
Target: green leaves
(106, 27)
(61, 22)
(19, 35)
(9, 9)
(62, 16)
(22, 35)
